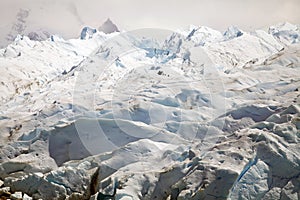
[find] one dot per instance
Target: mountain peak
(108, 27)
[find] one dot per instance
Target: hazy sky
(67, 17)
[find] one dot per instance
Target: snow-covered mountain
(152, 114)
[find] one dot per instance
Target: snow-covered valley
(152, 114)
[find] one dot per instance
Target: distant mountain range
(19, 27)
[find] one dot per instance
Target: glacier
(152, 114)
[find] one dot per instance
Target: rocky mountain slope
(152, 114)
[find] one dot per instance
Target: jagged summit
(87, 33)
(108, 27)
(232, 32)
(39, 35)
(286, 33)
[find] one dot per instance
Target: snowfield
(152, 114)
